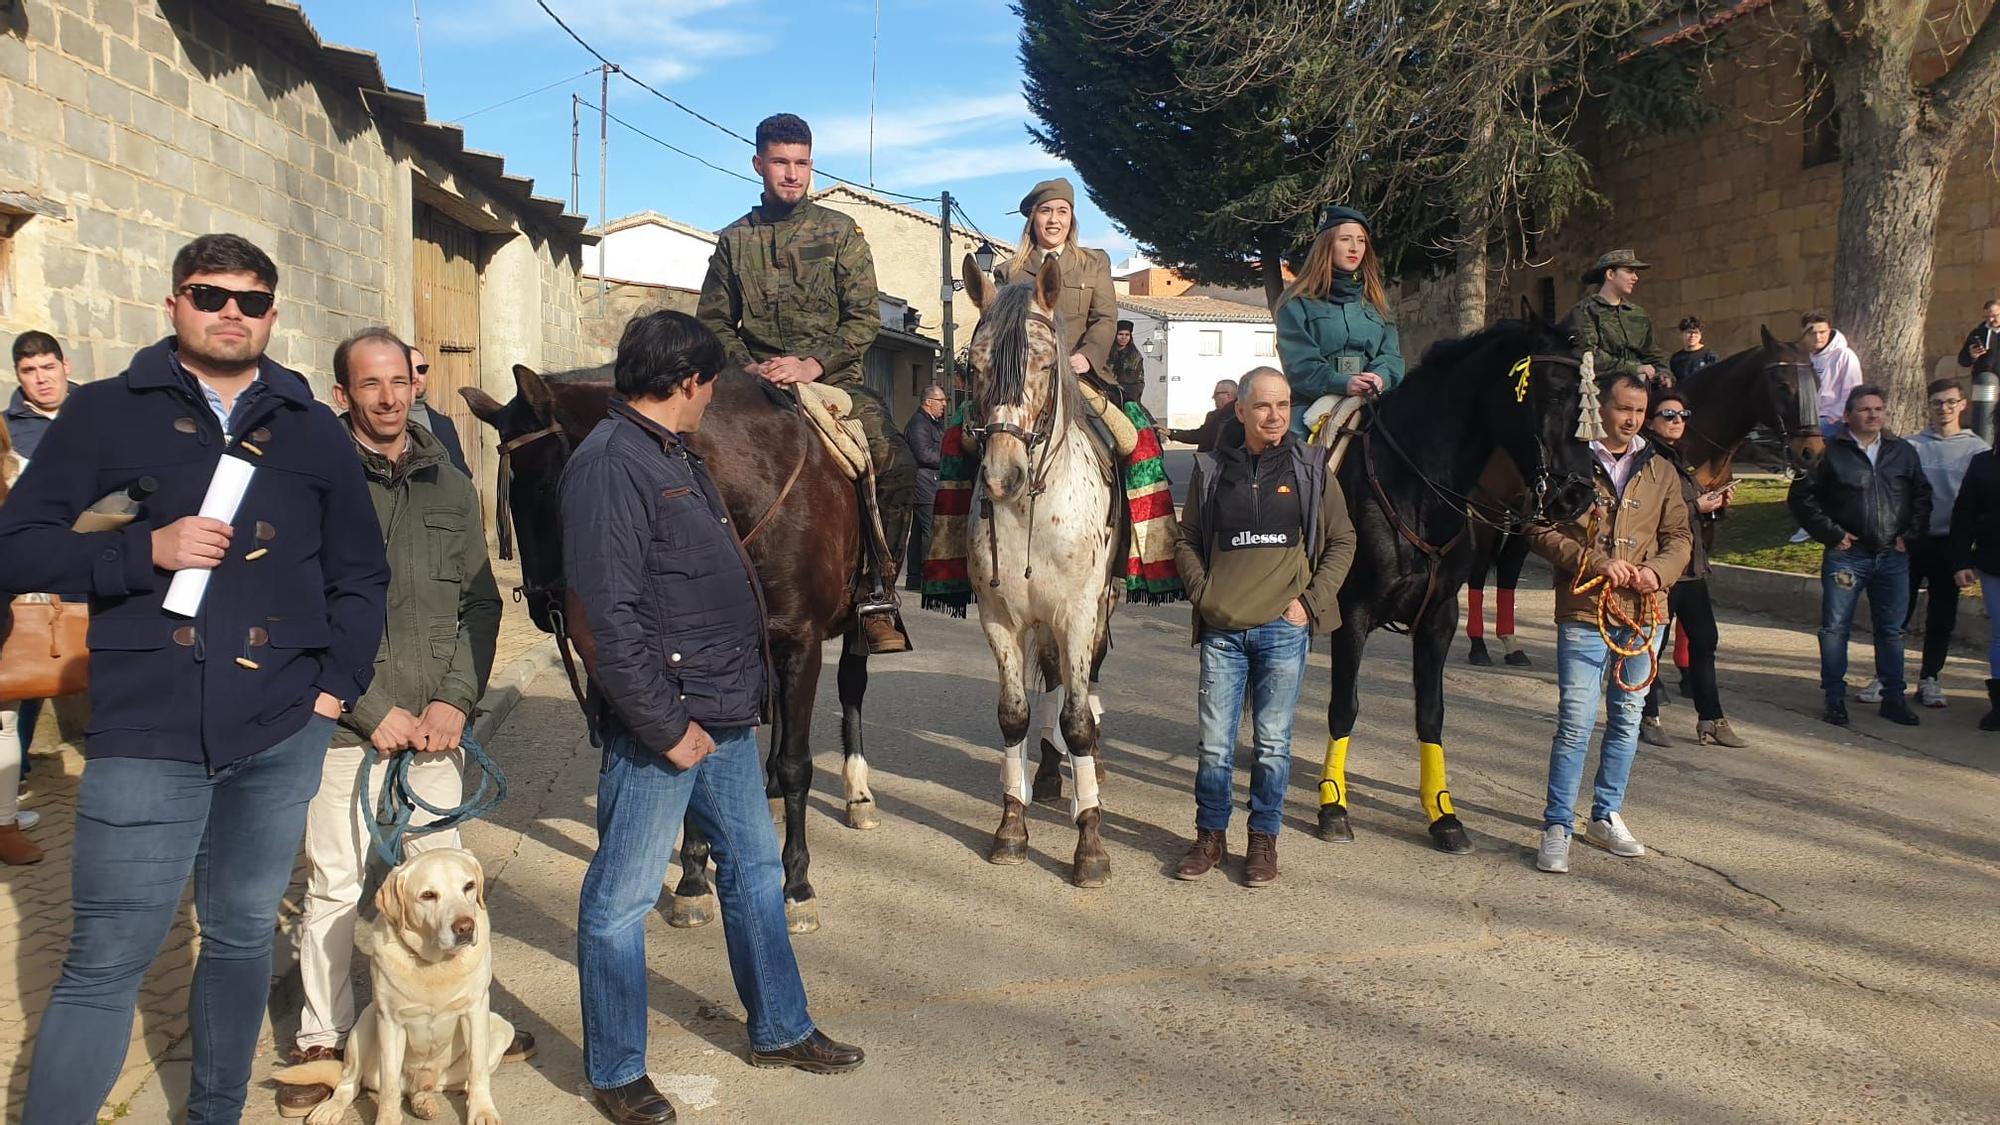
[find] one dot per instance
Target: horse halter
(1544, 484)
(1805, 382)
(1029, 438)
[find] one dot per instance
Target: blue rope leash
(398, 804)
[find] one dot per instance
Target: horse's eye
(429, 896)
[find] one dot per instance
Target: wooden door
(447, 261)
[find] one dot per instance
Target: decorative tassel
(1589, 426)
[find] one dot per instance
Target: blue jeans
(142, 826)
(641, 800)
(1989, 592)
(1584, 666)
(1267, 663)
(1844, 575)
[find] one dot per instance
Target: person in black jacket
(1981, 351)
(1865, 500)
(207, 732)
(1693, 355)
(925, 433)
(680, 683)
(436, 421)
(1975, 550)
(1221, 429)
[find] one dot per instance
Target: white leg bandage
(1083, 776)
(1048, 715)
(1014, 772)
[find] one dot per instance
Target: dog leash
(390, 826)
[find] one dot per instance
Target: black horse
(1408, 477)
(803, 535)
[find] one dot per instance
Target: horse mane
(1451, 352)
(1007, 371)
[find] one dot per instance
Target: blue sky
(949, 112)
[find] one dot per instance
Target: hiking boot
(1898, 711)
(1260, 860)
(1477, 654)
(16, 850)
(1652, 733)
(883, 630)
(1870, 694)
(1991, 720)
(1718, 732)
(815, 1054)
(1208, 849)
(297, 1101)
(1930, 693)
(1553, 855)
(1612, 835)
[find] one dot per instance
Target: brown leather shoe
(637, 1102)
(1260, 860)
(297, 1101)
(16, 850)
(815, 1054)
(521, 1047)
(884, 634)
(1210, 845)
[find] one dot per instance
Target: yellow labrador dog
(430, 1026)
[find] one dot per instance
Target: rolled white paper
(225, 495)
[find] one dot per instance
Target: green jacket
(1313, 335)
(1621, 335)
(800, 283)
(441, 590)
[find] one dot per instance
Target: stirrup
(876, 603)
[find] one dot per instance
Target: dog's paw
(330, 1112)
(486, 1115)
(389, 1113)
(424, 1105)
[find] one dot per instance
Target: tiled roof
(1196, 308)
(655, 219)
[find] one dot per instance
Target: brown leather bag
(46, 653)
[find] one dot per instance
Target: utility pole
(944, 294)
(874, 68)
(603, 178)
(575, 136)
(417, 19)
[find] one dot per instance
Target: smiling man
(207, 733)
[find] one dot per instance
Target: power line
(705, 119)
(529, 94)
(671, 147)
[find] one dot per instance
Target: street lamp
(983, 257)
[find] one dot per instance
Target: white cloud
(660, 41)
(926, 124)
(923, 167)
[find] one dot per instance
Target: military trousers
(895, 475)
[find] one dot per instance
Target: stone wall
(604, 317)
(906, 261)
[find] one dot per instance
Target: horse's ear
(483, 405)
(1770, 341)
(1048, 282)
(535, 390)
(978, 285)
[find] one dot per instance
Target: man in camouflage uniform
(1619, 331)
(791, 292)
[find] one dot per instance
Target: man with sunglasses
(207, 732)
(439, 424)
(1945, 448)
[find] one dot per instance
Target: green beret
(1058, 188)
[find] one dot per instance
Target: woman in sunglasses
(1688, 603)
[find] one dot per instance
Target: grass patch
(1757, 529)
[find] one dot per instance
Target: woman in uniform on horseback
(1087, 310)
(1335, 335)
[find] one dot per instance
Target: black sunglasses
(1674, 415)
(253, 303)
(423, 368)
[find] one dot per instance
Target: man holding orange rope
(1612, 570)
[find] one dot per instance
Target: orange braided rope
(1647, 629)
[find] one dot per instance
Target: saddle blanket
(830, 409)
(1150, 574)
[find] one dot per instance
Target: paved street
(1811, 939)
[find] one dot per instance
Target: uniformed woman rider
(1335, 336)
(1088, 307)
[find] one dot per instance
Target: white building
(1191, 342)
(647, 248)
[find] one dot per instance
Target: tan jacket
(1088, 307)
(1649, 527)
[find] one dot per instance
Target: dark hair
(1994, 303)
(783, 129)
(224, 253)
(1812, 318)
(30, 344)
(1690, 324)
(1664, 395)
(1863, 391)
(660, 350)
(365, 336)
(1623, 379)
(1937, 385)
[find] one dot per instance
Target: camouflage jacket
(800, 284)
(1622, 336)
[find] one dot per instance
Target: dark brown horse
(802, 529)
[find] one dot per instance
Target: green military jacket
(1622, 336)
(441, 590)
(1088, 307)
(799, 283)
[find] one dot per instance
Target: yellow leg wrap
(1333, 776)
(1431, 784)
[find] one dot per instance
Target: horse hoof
(1478, 655)
(1007, 851)
(861, 815)
(1448, 834)
(1333, 825)
(1090, 871)
(1519, 659)
(801, 917)
(690, 913)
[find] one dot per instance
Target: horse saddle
(830, 410)
(1331, 423)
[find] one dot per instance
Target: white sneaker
(1870, 694)
(1553, 856)
(24, 819)
(1930, 693)
(1801, 535)
(1612, 835)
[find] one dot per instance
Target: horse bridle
(1038, 472)
(555, 593)
(1805, 382)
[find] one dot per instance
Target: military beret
(1058, 188)
(1334, 216)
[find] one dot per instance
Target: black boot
(1991, 720)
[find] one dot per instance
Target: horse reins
(503, 519)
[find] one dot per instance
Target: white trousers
(10, 762)
(337, 855)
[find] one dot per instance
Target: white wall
(652, 255)
(1189, 376)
